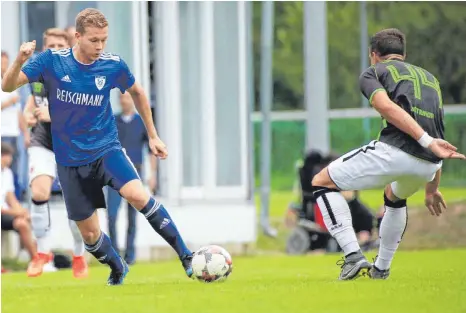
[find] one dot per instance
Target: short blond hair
(90, 17)
(54, 32)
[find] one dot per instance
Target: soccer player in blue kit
(85, 138)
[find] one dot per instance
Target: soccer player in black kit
(407, 156)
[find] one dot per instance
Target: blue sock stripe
(163, 224)
(96, 246)
(153, 209)
(157, 206)
(146, 214)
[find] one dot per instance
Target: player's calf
(103, 251)
(100, 246)
(40, 221)
(159, 219)
(392, 228)
(163, 224)
(40, 213)
(337, 218)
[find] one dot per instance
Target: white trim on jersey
(131, 162)
(62, 52)
(109, 56)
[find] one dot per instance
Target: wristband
(425, 140)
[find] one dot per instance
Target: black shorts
(82, 185)
(7, 222)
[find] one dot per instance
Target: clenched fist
(26, 51)
(158, 148)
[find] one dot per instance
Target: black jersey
(417, 92)
(41, 133)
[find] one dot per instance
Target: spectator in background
(305, 205)
(13, 215)
(133, 136)
(12, 121)
(71, 31)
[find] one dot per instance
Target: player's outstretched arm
(143, 107)
(395, 115)
(14, 77)
(141, 102)
(398, 117)
(434, 200)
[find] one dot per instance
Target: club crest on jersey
(100, 82)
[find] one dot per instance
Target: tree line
(435, 33)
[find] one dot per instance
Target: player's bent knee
(322, 179)
(89, 229)
(40, 192)
(89, 232)
(390, 200)
(317, 180)
(135, 194)
(91, 235)
(21, 224)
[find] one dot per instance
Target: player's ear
(78, 36)
(373, 57)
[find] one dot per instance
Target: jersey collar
(79, 63)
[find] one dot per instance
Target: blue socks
(104, 252)
(163, 224)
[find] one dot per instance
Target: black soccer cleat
(117, 276)
(186, 261)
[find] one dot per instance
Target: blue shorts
(82, 185)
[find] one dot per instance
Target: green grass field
(427, 281)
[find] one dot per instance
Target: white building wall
(10, 40)
(202, 119)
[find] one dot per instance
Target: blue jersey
(83, 125)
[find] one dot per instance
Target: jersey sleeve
(369, 83)
(34, 70)
(125, 78)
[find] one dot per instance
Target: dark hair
(4, 54)
(388, 41)
(7, 149)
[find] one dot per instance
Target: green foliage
(434, 30)
(288, 142)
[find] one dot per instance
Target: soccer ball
(212, 263)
